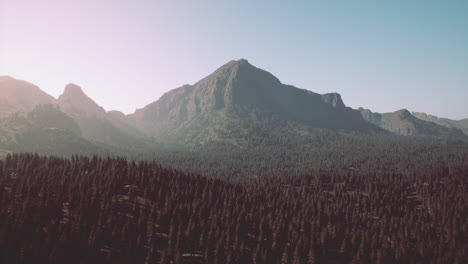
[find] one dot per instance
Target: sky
(381, 55)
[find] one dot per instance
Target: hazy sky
(382, 55)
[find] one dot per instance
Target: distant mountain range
(236, 102)
(402, 122)
(459, 124)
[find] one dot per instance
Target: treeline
(280, 154)
(110, 210)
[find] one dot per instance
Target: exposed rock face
(333, 99)
(460, 124)
(75, 103)
(426, 117)
(239, 85)
(402, 122)
(230, 104)
(18, 96)
(95, 123)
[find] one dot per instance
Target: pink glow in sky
(126, 54)
(100, 45)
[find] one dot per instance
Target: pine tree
(285, 256)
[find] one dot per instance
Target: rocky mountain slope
(236, 91)
(18, 96)
(95, 123)
(402, 122)
(460, 124)
(237, 105)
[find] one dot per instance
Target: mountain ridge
(235, 97)
(461, 124)
(402, 122)
(20, 96)
(238, 85)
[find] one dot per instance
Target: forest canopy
(110, 210)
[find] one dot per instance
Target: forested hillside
(45, 130)
(276, 150)
(104, 210)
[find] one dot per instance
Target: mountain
(237, 105)
(460, 124)
(235, 92)
(95, 123)
(25, 108)
(46, 130)
(18, 96)
(75, 103)
(402, 122)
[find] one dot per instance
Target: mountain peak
(74, 101)
(236, 62)
(232, 68)
(239, 87)
(243, 62)
(235, 83)
(403, 113)
(73, 90)
(6, 77)
(20, 96)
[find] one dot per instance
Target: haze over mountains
(229, 106)
(402, 122)
(20, 97)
